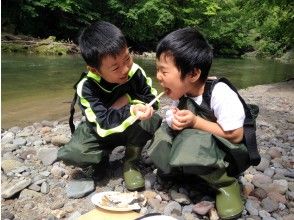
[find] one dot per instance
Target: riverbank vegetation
(235, 28)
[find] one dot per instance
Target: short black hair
(190, 50)
(99, 40)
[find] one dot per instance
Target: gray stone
(38, 143)
(264, 163)
(180, 197)
(7, 215)
(15, 187)
(8, 148)
(289, 217)
(269, 172)
(252, 207)
(261, 180)
(45, 188)
(9, 165)
(19, 142)
(15, 129)
(203, 207)
(57, 205)
(173, 208)
(35, 187)
(280, 186)
(290, 195)
(79, 188)
(7, 138)
(47, 155)
(47, 123)
(269, 205)
(45, 173)
(187, 208)
(29, 194)
(59, 140)
(27, 131)
(150, 179)
(154, 203)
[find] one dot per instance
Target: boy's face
(169, 77)
(114, 69)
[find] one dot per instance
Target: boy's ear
(195, 74)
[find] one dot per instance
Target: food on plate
(122, 200)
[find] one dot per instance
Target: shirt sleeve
(143, 90)
(105, 120)
(227, 107)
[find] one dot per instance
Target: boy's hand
(183, 119)
(142, 112)
(120, 102)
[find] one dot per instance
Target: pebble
(34, 184)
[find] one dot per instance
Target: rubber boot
(132, 176)
(229, 204)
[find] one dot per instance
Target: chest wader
(86, 148)
(229, 203)
(205, 155)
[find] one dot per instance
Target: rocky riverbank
(35, 186)
(29, 45)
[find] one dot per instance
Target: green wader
(87, 148)
(210, 157)
(196, 152)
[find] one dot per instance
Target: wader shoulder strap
(251, 112)
(72, 106)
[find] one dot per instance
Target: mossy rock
(287, 57)
(14, 48)
(51, 49)
(49, 46)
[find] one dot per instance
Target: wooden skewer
(151, 103)
(155, 99)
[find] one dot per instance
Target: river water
(36, 88)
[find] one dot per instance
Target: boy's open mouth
(167, 90)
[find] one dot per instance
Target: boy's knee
(68, 155)
(152, 124)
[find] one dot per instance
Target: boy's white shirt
(225, 105)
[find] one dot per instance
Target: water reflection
(40, 87)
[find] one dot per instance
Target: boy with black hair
(199, 138)
(112, 97)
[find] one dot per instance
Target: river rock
(180, 197)
(9, 165)
(59, 140)
(47, 155)
(203, 207)
(19, 142)
(14, 187)
(7, 138)
(268, 188)
(79, 188)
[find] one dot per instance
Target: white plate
(97, 200)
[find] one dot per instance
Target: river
(36, 88)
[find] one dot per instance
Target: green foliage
(272, 24)
(232, 26)
(143, 21)
(62, 18)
